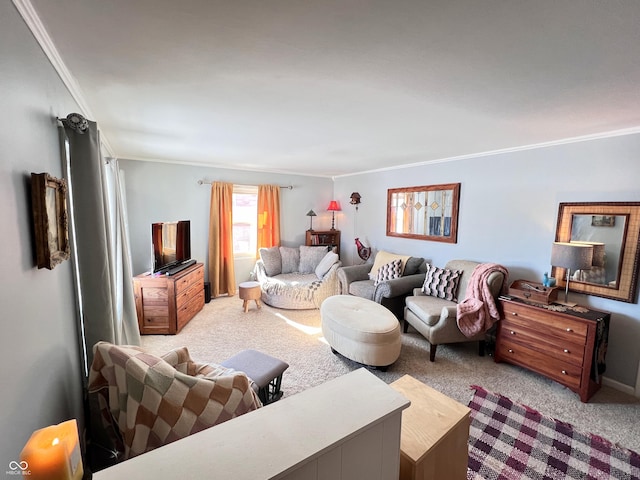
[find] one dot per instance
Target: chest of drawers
(565, 344)
(165, 304)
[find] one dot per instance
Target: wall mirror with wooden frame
(613, 229)
(49, 208)
(428, 212)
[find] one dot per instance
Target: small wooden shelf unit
(165, 304)
(329, 238)
(559, 345)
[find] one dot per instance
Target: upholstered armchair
(435, 318)
(362, 281)
(147, 401)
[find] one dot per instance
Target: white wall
(159, 192)
(508, 209)
(40, 374)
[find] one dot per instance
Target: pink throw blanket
(478, 311)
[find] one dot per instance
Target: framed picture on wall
(51, 226)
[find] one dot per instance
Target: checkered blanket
(510, 441)
(149, 401)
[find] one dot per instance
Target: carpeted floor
(221, 330)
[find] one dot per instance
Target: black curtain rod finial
(75, 122)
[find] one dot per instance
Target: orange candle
(53, 453)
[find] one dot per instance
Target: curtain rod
(205, 182)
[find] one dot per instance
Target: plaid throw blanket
(149, 401)
(514, 442)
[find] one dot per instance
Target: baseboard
(628, 389)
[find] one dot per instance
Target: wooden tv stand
(164, 303)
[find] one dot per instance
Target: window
(245, 220)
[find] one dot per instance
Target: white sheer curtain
(125, 329)
(101, 243)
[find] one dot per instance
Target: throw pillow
(272, 260)
(310, 257)
(326, 263)
(382, 258)
(389, 271)
(290, 259)
(412, 265)
(442, 283)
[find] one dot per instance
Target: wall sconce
(333, 207)
(572, 256)
(355, 199)
(311, 214)
(53, 453)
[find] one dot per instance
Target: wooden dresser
(164, 303)
(565, 344)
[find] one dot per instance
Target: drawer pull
(512, 332)
(566, 350)
(569, 330)
(510, 351)
(514, 314)
(564, 372)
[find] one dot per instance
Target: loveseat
(297, 278)
(388, 287)
(432, 309)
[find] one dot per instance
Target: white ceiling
(333, 87)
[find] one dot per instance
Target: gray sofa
(355, 280)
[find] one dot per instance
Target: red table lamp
(333, 207)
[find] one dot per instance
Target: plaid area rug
(511, 441)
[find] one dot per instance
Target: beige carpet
(222, 329)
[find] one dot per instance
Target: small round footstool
(361, 330)
(249, 291)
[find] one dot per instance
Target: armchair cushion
(412, 266)
(382, 258)
(272, 260)
(310, 257)
(442, 283)
(389, 271)
(430, 310)
(326, 263)
(290, 259)
(362, 288)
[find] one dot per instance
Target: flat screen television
(171, 244)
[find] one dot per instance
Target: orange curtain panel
(268, 216)
(221, 271)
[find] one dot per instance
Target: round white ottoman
(361, 330)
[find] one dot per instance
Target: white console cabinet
(345, 429)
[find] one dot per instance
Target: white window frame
(247, 190)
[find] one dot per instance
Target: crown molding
(553, 143)
(41, 35)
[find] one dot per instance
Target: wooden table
(435, 433)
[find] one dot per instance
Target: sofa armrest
(449, 312)
(352, 273)
(397, 287)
